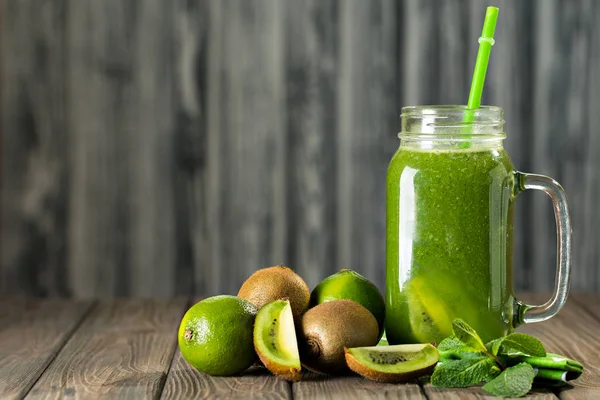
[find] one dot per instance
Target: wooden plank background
(161, 148)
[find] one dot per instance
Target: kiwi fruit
(392, 364)
(275, 340)
(428, 316)
(329, 327)
(350, 285)
(274, 283)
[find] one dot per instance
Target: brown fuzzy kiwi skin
(281, 371)
(330, 327)
(273, 283)
(385, 377)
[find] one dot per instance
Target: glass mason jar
(449, 241)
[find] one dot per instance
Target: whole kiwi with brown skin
(329, 327)
(275, 283)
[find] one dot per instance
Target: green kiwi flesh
(428, 316)
(398, 363)
(275, 340)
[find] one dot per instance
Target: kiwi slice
(429, 317)
(275, 340)
(393, 364)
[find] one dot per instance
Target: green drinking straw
(486, 41)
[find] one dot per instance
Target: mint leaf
(519, 343)
(467, 335)
(494, 372)
(462, 373)
(450, 343)
(513, 382)
(453, 349)
(494, 345)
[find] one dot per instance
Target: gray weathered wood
(193, 271)
(32, 332)
(541, 141)
(185, 382)
(34, 168)
(573, 332)
(472, 393)
(121, 232)
(247, 143)
(312, 66)
(564, 139)
(589, 301)
(366, 138)
(587, 254)
(126, 349)
(159, 148)
(123, 349)
(314, 386)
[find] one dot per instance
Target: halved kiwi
(395, 364)
(275, 340)
(429, 317)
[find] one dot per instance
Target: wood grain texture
(573, 332)
(565, 114)
(32, 332)
(589, 301)
(312, 65)
(123, 349)
(473, 393)
(127, 349)
(313, 386)
(247, 141)
(34, 167)
(190, 184)
(366, 142)
(155, 148)
(430, 35)
(121, 231)
(185, 382)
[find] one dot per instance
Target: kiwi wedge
(275, 340)
(392, 364)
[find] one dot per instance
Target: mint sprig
(467, 335)
(515, 381)
(463, 373)
(519, 343)
(453, 349)
(465, 361)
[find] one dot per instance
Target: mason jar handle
(525, 313)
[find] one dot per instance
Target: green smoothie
(449, 243)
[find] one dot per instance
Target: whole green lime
(216, 335)
(351, 285)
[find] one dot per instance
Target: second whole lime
(350, 285)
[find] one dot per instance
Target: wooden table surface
(128, 349)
